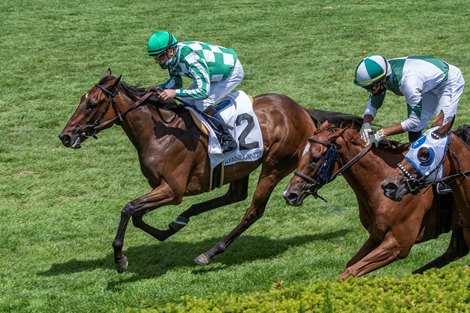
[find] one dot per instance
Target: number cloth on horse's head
(437, 147)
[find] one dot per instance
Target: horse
(174, 158)
(422, 164)
(393, 229)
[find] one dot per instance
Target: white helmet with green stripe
(372, 70)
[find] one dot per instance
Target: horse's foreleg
(160, 196)
(388, 251)
(261, 196)
(237, 191)
(366, 248)
(457, 249)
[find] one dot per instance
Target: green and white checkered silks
(203, 63)
(372, 69)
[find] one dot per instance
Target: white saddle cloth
(236, 110)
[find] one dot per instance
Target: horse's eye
(314, 159)
(91, 105)
(424, 154)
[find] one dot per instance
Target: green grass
(60, 208)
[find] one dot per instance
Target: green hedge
(444, 290)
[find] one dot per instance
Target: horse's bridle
(415, 184)
(328, 160)
(91, 129)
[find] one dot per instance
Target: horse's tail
(463, 132)
(337, 118)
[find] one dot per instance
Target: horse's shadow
(154, 260)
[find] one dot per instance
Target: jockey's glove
(377, 137)
(365, 132)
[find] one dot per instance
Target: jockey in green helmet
(428, 84)
(159, 43)
(214, 70)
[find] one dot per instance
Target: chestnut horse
(173, 154)
(438, 146)
(393, 229)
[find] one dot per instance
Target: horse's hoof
(121, 264)
(202, 260)
(345, 275)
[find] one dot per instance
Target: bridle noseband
(323, 176)
(413, 184)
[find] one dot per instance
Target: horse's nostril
(65, 139)
(389, 186)
(290, 196)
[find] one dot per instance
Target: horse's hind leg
(237, 191)
(261, 196)
(457, 249)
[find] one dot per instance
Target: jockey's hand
(366, 132)
(167, 94)
(377, 137)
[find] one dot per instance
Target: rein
(352, 161)
(460, 173)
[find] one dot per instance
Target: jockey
(429, 85)
(215, 71)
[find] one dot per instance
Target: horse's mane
(385, 145)
(463, 132)
(136, 92)
(337, 118)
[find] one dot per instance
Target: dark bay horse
(416, 171)
(173, 154)
(393, 229)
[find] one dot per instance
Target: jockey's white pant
(445, 98)
(218, 90)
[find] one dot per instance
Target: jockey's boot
(227, 142)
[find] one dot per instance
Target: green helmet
(371, 70)
(159, 42)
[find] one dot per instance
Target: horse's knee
(128, 210)
(254, 215)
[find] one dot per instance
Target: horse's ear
(108, 72)
(444, 130)
(324, 124)
(439, 119)
(116, 82)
